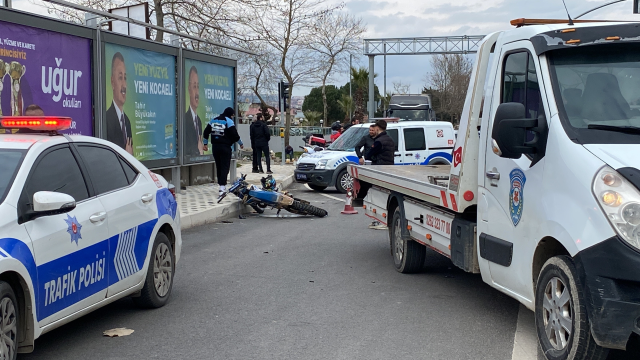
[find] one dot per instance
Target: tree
(346, 104)
(448, 82)
(360, 79)
(286, 26)
(315, 101)
(336, 36)
(313, 117)
(400, 88)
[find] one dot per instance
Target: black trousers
(222, 156)
(254, 158)
(263, 150)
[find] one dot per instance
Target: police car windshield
(348, 140)
(9, 164)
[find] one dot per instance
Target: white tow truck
(545, 202)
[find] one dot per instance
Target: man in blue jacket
(224, 134)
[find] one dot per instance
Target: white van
(417, 143)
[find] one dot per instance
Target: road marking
(327, 195)
(525, 342)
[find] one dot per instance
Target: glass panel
(58, 171)
(8, 168)
(393, 133)
(104, 168)
(515, 71)
(414, 139)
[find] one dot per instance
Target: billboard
(140, 111)
(208, 89)
(46, 73)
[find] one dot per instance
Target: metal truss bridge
(465, 44)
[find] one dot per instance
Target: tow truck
(545, 202)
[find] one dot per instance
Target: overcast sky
(422, 18)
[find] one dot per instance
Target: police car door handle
(409, 154)
(99, 217)
(397, 155)
(147, 198)
(493, 174)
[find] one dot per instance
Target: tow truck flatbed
(422, 182)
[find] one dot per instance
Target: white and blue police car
(82, 224)
(417, 143)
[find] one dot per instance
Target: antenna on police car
(567, 10)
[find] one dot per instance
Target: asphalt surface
(299, 288)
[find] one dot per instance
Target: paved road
(299, 288)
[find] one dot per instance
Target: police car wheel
(408, 255)
(562, 323)
(343, 181)
(159, 280)
(8, 322)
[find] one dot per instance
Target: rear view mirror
(510, 132)
(46, 203)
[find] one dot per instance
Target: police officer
(381, 152)
(224, 134)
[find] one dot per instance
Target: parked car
(82, 224)
(417, 143)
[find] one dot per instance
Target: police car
(82, 224)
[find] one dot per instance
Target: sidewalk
(199, 204)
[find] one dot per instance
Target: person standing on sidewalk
(224, 134)
(254, 157)
(260, 136)
(383, 148)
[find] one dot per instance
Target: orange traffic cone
(348, 208)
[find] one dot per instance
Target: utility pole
(350, 90)
(384, 95)
(372, 105)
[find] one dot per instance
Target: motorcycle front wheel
(304, 208)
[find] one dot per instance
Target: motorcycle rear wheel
(304, 208)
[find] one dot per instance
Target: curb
(219, 213)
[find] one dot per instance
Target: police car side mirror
(46, 203)
(510, 131)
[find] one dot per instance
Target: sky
(425, 18)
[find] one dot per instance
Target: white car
(417, 143)
(82, 224)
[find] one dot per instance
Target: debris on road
(118, 332)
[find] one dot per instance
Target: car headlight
(322, 164)
(620, 201)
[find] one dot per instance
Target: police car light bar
(45, 123)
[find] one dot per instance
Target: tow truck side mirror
(510, 132)
(47, 203)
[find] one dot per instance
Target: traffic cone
(348, 208)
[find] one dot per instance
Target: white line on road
(525, 342)
(327, 195)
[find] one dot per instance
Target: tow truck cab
(545, 204)
(411, 107)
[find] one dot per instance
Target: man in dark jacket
(367, 143)
(260, 137)
(381, 152)
(223, 134)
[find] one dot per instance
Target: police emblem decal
(74, 228)
(516, 195)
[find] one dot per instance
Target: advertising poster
(140, 101)
(45, 73)
(209, 89)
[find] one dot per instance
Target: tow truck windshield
(348, 140)
(9, 165)
(598, 92)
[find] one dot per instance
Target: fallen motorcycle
(269, 196)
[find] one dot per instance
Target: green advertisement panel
(208, 90)
(140, 101)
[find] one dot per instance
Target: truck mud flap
(463, 245)
(496, 250)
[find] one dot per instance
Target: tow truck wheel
(562, 324)
(9, 322)
(159, 280)
(408, 255)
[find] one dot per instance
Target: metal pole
(283, 116)
(7, 3)
(175, 171)
(234, 155)
(350, 81)
(371, 87)
(384, 95)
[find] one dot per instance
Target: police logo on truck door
(516, 195)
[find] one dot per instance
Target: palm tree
(313, 117)
(360, 78)
(346, 104)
